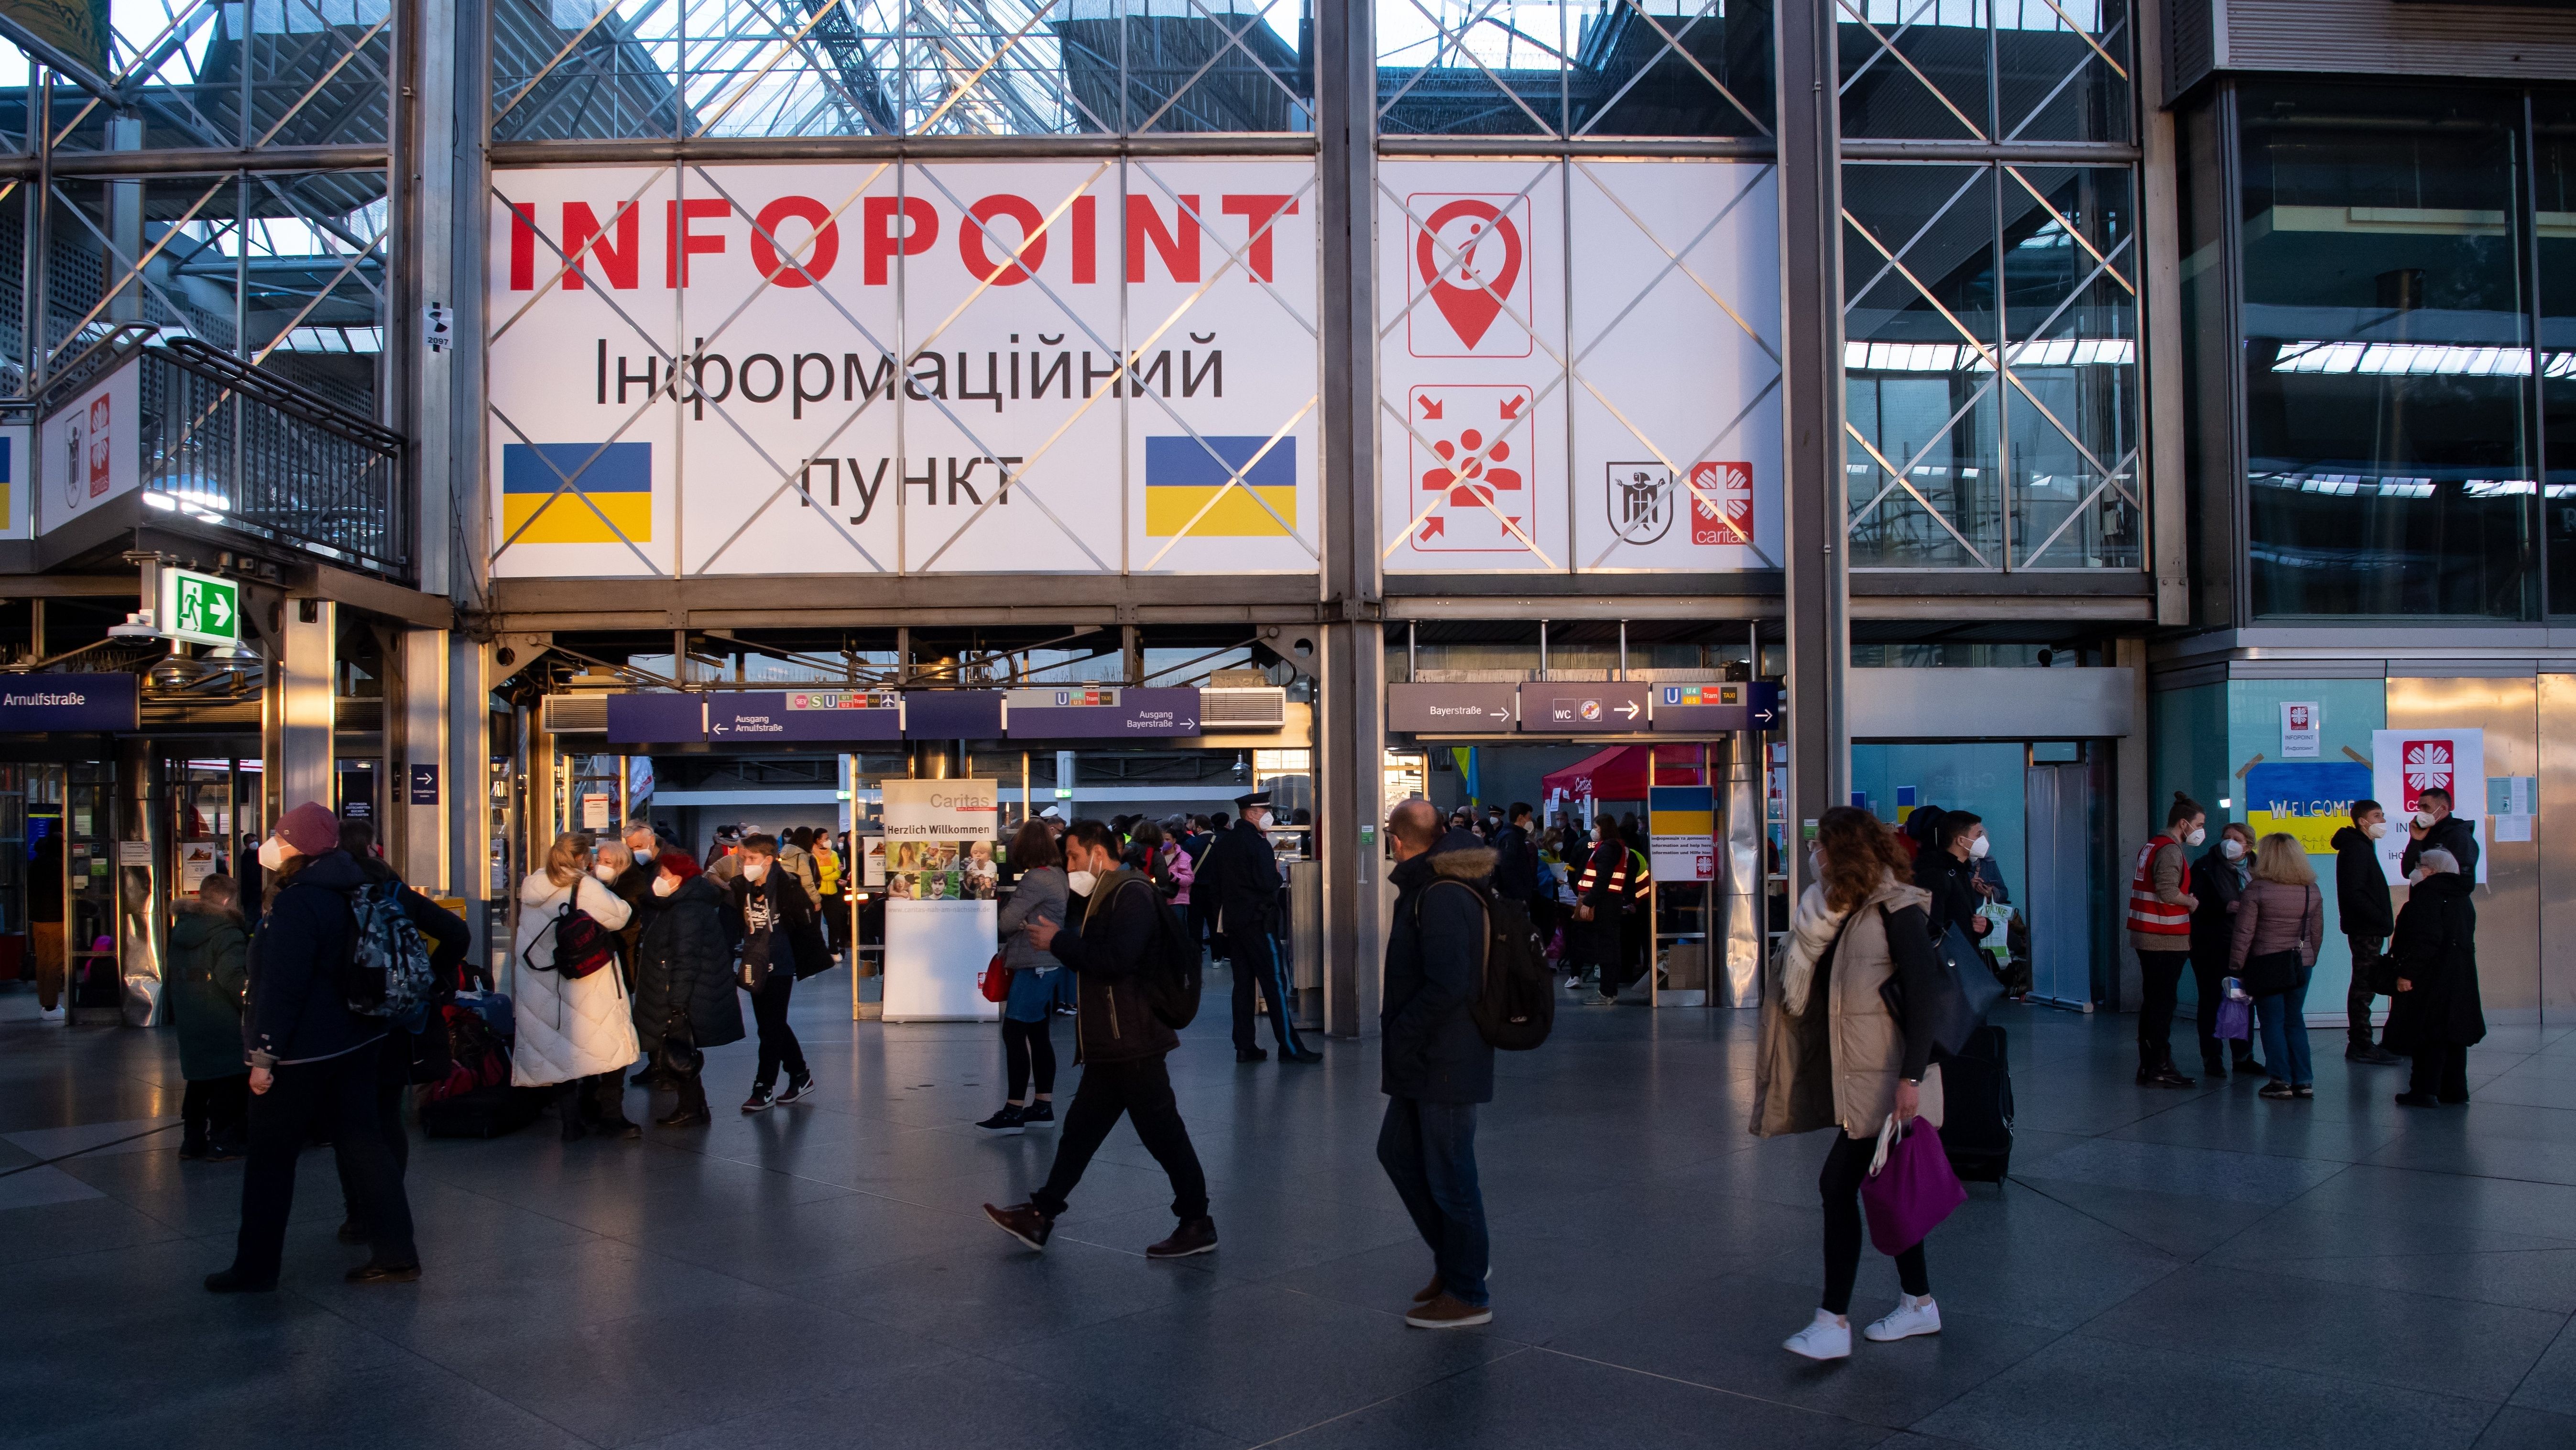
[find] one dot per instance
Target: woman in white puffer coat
(577, 1032)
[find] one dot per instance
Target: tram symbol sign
(199, 608)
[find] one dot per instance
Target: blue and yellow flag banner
(616, 478)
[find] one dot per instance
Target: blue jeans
(1429, 1151)
(2285, 1035)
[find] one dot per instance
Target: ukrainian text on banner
(864, 367)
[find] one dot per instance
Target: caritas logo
(2427, 766)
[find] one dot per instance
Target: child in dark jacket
(209, 978)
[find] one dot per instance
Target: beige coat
(1863, 1054)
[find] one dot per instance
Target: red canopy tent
(1619, 773)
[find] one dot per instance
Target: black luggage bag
(486, 1112)
(1977, 1108)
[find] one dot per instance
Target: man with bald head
(1435, 1066)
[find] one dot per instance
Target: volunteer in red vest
(2160, 929)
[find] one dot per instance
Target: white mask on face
(665, 885)
(605, 872)
(2198, 835)
(755, 872)
(1081, 882)
(2375, 830)
(2426, 818)
(2232, 848)
(1978, 848)
(272, 854)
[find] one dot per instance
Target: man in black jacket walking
(1120, 1045)
(1436, 1067)
(2361, 901)
(2435, 828)
(1239, 880)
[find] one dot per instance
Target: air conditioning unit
(1235, 708)
(583, 714)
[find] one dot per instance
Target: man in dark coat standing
(2435, 828)
(2437, 1016)
(1435, 1066)
(1239, 880)
(2361, 904)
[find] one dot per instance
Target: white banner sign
(1578, 365)
(941, 810)
(87, 452)
(694, 370)
(2301, 722)
(2406, 763)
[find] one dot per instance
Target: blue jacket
(298, 1009)
(1428, 1047)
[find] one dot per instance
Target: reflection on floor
(2165, 1269)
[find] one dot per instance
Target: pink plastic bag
(1910, 1188)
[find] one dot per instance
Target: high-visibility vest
(2146, 913)
(827, 869)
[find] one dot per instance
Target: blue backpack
(389, 974)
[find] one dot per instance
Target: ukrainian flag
(1181, 475)
(618, 481)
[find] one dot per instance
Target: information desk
(934, 953)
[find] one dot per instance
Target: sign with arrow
(1717, 708)
(1444, 709)
(199, 608)
(1100, 712)
(1602, 709)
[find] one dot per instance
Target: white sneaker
(1910, 1317)
(1828, 1338)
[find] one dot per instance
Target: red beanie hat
(678, 863)
(310, 828)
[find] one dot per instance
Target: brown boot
(1447, 1312)
(692, 1110)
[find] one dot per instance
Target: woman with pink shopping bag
(1833, 1053)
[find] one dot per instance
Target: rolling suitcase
(486, 1112)
(1977, 1108)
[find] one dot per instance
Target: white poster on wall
(87, 452)
(2302, 725)
(1105, 366)
(1618, 414)
(2406, 763)
(941, 810)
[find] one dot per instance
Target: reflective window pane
(1474, 67)
(1920, 392)
(1914, 68)
(2387, 354)
(2554, 196)
(2062, 69)
(290, 73)
(2071, 356)
(1591, 68)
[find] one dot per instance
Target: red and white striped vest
(2146, 913)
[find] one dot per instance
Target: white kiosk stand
(938, 935)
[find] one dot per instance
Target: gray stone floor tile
(2108, 1396)
(2516, 1428)
(409, 1406)
(2259, 1178)
(990, 1296)
(2181, 1224)
(2551, 1385)
(2443, 1346)
(965, 1402)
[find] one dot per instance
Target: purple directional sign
(836, 717)
(656, 719)
(1711, 709)
(1102, 712)
(952, 714)
(75, 704)
(1447, 709)
(1551, 708)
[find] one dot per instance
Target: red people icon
(1470, 469)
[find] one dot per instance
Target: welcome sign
(941, 810)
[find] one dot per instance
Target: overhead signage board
(70, 704)
(656, 719)
(1448, 709)
(1549, 708)
(940, 810)
(906, 368)
(952, 714)
(87, 452)
(1101, 712)
(198, 608)
(798, 716)
(1714, 709)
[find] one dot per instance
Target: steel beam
(202, 161)
(888, 148)
(2159, 217)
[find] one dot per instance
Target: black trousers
(215, 1110)
(2208, 969)
(339, 1092)
(1143, 1091)
(1027, 1045)
(1256, 959)
(2442, 1071)
(2162, 973)
(2356, 998)
(778, 1044)
(1846, 1168)
(396, 1140)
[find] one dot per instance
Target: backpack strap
(1484, 939)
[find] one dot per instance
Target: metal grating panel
(2384, 37)
(1243, 709)
(583, 714)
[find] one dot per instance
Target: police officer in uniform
(1238, 880)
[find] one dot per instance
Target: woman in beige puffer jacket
(1860, 925)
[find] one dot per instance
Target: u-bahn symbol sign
(199, 608)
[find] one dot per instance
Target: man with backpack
(1435, 1064)
(410, 1053)
(1127, 955)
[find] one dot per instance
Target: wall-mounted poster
(2407, 763)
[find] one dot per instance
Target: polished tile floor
(2164, 1269)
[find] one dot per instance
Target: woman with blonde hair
(578, 1031)
(2280, 919)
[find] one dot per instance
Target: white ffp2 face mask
(2198, 835)
(2426, 819)
(1081, 882)
(1978, 848)
(272, 854)
(2232, 848)
(605, 872)
(755, 872)
(2375, 830)
(665, 885)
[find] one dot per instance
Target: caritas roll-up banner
(862, 367)
(2406, 763)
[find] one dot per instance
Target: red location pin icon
(1468, 282)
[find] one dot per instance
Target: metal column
(1740, 982)
(300, 758)
(1812, 412)
(426, 862)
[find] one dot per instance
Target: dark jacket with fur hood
(1429, 1048)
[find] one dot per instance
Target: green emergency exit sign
(200, 608)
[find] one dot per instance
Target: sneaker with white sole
(1910, 1317)
(1828, 1338)
(1447, 1311)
